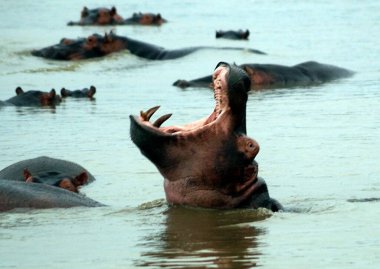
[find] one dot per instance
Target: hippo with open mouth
(208, 163)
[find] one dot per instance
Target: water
(319, 145)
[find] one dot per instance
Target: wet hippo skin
(83, 93)
(43, 182)
(234, 35)
(210, 162)
(100, 45)
(50, 171)
(98, 16)
(33, 98)
(105, 16)
(15, 194)
(279, 76)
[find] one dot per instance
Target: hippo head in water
(34, 98)
(83, 93)
(145, 19)
(210, 162)
(58, 180)
(93, 46)
(98, 16)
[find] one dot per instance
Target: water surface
(319, 144)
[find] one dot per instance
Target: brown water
(319, 145)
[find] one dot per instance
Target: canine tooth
(161, 120)
(148, 114)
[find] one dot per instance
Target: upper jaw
(219, 112)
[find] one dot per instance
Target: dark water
(319, 145)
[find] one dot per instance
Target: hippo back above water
(145, 19)
(210, 162)
(98, 16)
(280, 76)
(234, 35)
(46, 168)
(33, 98)
(14, 194)
(83, 93)
(97, 45)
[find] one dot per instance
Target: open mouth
(221, 107)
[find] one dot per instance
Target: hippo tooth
(148, 114)
(161, 120)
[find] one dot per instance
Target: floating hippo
(234, 35)
(208, 163)
(145, 19)
(279, 76)
(33, 98)
(57, 180)
(20, 184)
(98, 16)
(84, 93)
(97, 46)
(15, 194)
(50, 171)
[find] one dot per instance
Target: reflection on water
(196, 238)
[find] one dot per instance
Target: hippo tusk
(161, 120)
(148, 114)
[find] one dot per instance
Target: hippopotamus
(145, 19)
(279, 76)
(97, 46)
(33, 98)
(15, 194)
(98, 16)
(234, 35)
(84, 93)
(50, 171)
(43, 182)
(64, 182)
(208, 163)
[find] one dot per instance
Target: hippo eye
(91, 39)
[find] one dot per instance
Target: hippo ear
(246, 34)
(19, 91)
(52, 93)
(113, 11)
(84, 12)
(80, 179)
(108, 37)
(64, 92)
(158, 16)
(92, 91)
(27, 175)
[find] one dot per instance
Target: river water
(319, 145)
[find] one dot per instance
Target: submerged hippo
(15, 194)
(98, 16)
(33, 98)
(84, 93)
(20, 184)
(50, 171)
(208, 163)
(97, 46)
(145, 19)
(234, 35)
(279, 76)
